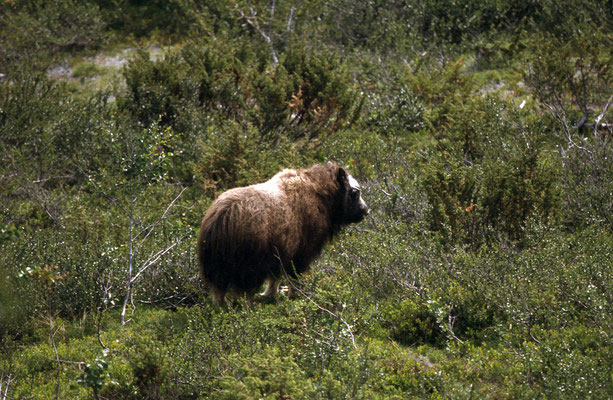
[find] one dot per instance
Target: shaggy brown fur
(260, 232)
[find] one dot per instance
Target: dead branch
(57, 357)
(253, 22)
(152, 227)
(6, 378)
(131, 279)
(601, 115)
(153, 259)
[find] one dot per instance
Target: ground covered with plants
(481, 131)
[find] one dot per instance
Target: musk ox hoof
(260, 233)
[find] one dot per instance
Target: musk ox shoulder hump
(273, 186)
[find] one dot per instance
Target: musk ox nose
(361, 211)
(365, 209)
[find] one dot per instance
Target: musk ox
(260, 233)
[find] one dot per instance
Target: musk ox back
(259, 233)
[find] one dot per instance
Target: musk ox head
(264, 232)
(354, 207)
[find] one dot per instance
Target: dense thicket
(481, 133)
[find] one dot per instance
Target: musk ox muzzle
(260, 233)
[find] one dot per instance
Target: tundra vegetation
(480, 132)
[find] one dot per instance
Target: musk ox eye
(355, 193)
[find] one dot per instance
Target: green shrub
(50, 135)
(569, 363)
(377, 25)
(148, 365)
(307, 95)
(573, 79)
(412, 323)
(203, 78)
(545, 17)
(571, 76)
(37, 32)
(14, 311)
(268, 374)
(206, 91)
(402, 112)
(414, 376)
(488, 174)
(233, 155)
(511, 193)
(167, 19)
(86, 70)
(55, 274)
(454, 21)
(586, 194)
(95, 374)
(463, 22)
(451, 188)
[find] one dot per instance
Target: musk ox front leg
(272, 288)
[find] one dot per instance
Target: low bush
(37, 33)
(268, 374)
(413, 324)
(50, 140)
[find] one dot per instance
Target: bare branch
(57, 357)
(131, 279)
(152, 227)
(153, 259)
(601, 115)
(450, 323)
(289, 20)
(272, 16)
(69, 362)
(98, 322)
(253, 22)
(43, 180)
(6, 378)
(130, 263)
(561, 117)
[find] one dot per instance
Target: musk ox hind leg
(218, 295)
